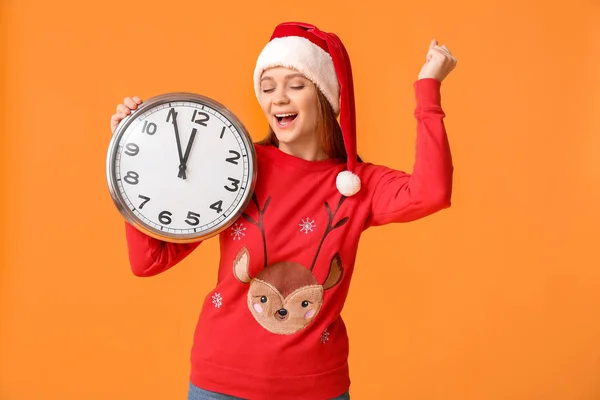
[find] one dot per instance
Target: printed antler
(259, 224)
(330, 227)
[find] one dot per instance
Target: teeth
(284, 115)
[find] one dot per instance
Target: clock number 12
(204, 117)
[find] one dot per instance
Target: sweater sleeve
(149, 256)
(397, 196)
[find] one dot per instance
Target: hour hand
(183, 165)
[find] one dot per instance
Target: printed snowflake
(307, 225)
(325, 336)
(217, 300)
(238, 231)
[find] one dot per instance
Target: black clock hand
(183, 165)
(173, 113)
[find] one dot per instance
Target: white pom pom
(347, 183)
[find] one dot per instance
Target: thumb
(432, 44)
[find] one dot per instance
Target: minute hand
(183, 165)
(173, 115)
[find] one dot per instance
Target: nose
(280, 97)
(283, 312)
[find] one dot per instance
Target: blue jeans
(195, 393)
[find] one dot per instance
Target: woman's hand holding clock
(123, 110)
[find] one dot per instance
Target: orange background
(496, 298)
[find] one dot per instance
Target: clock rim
(129, 216)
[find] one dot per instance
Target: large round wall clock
(181, 167)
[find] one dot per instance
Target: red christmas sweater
(271, 328)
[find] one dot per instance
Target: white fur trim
(347, 183)
(305, 57)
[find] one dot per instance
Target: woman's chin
(284, 136)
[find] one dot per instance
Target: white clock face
(182, 168)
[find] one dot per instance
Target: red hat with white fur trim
(322, 58)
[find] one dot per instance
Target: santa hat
(322, 58)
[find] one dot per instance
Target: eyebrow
(290, 76)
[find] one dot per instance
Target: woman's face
(289, 101)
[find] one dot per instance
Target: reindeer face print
(285, 297)
(284, 315)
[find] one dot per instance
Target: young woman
(271, 328)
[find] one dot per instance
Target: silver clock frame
(114, 147)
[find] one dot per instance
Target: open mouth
(284, 120)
